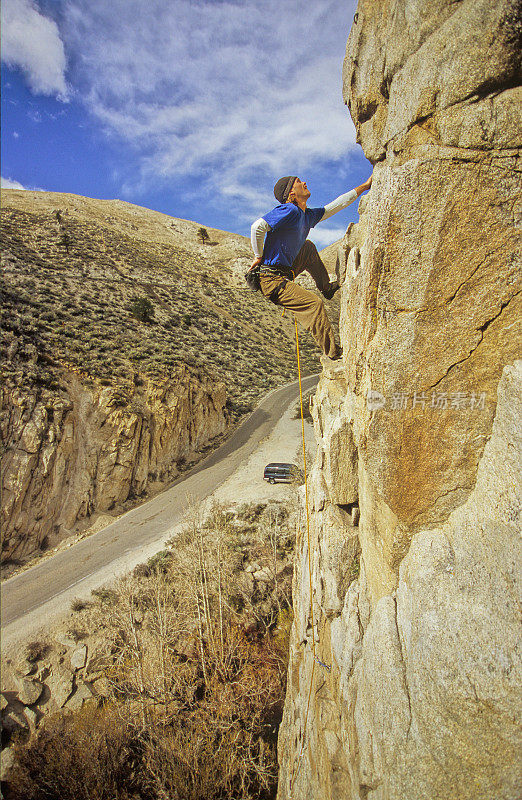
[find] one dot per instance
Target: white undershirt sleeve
(257, 236)
(343, 201)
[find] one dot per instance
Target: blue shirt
(289, 227)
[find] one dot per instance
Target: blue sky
(190, 107)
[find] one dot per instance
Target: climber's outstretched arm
(344, 200)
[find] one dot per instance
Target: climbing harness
(316, 659)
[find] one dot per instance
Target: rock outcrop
(92, 449)
(416, 606)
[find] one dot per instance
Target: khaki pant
(307, 306)
(309, 260)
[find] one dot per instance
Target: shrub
(79, 605)
(105, 595)
(142, 309)
(250, 512)
(141, 571)
(159, 561)
(307, 412)
(86, 756)
(196, 676)
(35, 651)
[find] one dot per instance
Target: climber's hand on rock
(364, 186)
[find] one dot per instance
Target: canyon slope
(415, 492)
(130, 345)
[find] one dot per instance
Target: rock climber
(286, 252)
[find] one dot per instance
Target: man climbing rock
(286, 252)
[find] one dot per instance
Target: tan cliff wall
(92, 448)
(416, 606)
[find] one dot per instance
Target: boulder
(263, 576)
(83, 692)
(60, 684)
(25, 667)
(29, 691)
(15, 720)
(246, 584)
(32, 718)
(7, 759)
(66, 640)
(79, 657)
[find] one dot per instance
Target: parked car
(287, 473)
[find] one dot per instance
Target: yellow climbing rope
(301, 752)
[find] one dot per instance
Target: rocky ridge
(415, 494)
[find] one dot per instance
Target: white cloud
(7, 183)
(230, 92)
(322, 237)
(32, 42)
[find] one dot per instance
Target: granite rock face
(440, 72)
(415, 607)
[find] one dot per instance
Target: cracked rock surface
(415, 492)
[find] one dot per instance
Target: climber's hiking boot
(331, 290)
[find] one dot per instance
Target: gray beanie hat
(283, 187)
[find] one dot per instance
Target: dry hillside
(73, 266)
(129, 345)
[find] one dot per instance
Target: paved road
(103, 555)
